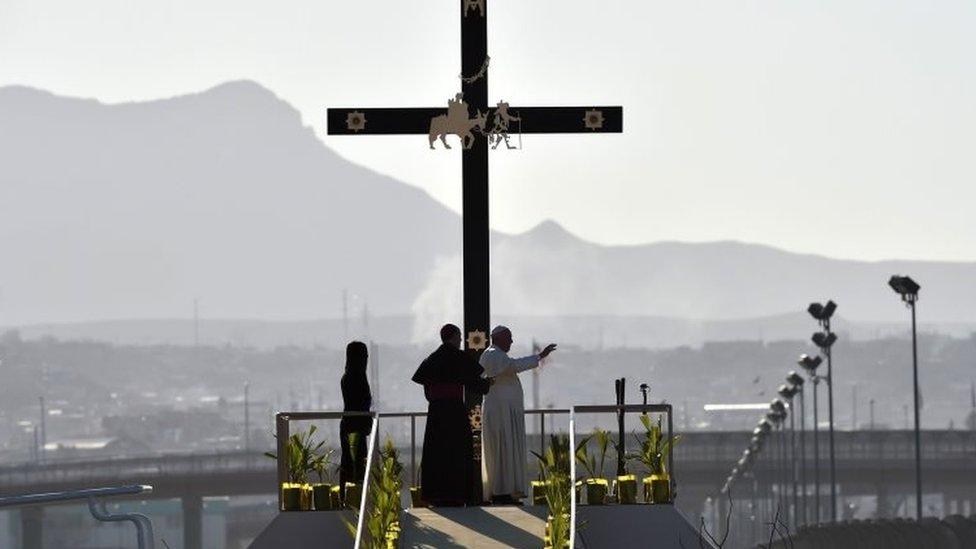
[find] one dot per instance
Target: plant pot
(538, 492)
(657, 489)
(322, 496)
(335, 499)
(354, 495)
(296, 497)
(596, 491)
(626, 489)
(291, 497)
(416, 497)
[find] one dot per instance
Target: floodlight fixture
(905, 286)
(795, 379)
(824, 340)
(828, 310)
(787, 392)
(809, 363)
(778, 406)
(815, 310)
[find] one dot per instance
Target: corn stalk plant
(303, 456)
(382, 524)
(589, 461)
(554, 466)
(654, 447)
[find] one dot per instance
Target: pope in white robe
(503, 419)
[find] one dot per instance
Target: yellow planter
(538, 492)
(626, 489)
(416, 497)
(322, 496)
(657, 489)
(597, 490)
(296, 497)
(354, 495)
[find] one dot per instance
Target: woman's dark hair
(356, 358)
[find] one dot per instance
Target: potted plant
(555, 468)
(322, 490)
(653, 454)
(301, 453)
(597, 486)
(382, 524)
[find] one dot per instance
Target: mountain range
(132, 211)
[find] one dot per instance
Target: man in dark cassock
(446, 467)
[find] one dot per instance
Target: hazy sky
(840, 127)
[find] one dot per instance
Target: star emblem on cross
(356, 121)
(593, 119)
(476, 340)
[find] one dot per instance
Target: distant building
(113, 446)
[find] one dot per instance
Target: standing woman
(354, 431)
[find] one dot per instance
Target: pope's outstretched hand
(545, 352)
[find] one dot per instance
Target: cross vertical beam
(476, 237)
(474, 173)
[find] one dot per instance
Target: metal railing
(283, 432)
(541, 412)
(144, 529)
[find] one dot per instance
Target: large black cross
(474, 87)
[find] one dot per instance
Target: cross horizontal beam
(402, 121)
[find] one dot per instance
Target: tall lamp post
(810, 364)
(796, 381)
(908, 289)
(824, 340)
(777, 414)
(787, 392)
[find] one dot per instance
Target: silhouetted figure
(446, 466)
(355, 398)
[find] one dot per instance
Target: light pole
(825, 340)
(908, 289)
(787, 392)
(796, 380)
(777, 414)
(810, 364)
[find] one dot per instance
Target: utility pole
(854, 408)
(196, 322)
(374, 366)
(247, 416)
(871, 403)
(43, 441)
(345, 315)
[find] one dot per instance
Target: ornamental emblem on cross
(356, 121)
(474, 5)
(456, 122)
(477, 340)
(593, 120)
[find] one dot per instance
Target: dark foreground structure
(952, 532)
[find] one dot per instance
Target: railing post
(193, 521)
(572, 478)
(671, 480)
(32, 536)
(413, 449)
(542, 433)
(281, 437)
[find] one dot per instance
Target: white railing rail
(144, 529)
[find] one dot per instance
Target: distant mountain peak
(551, 232)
